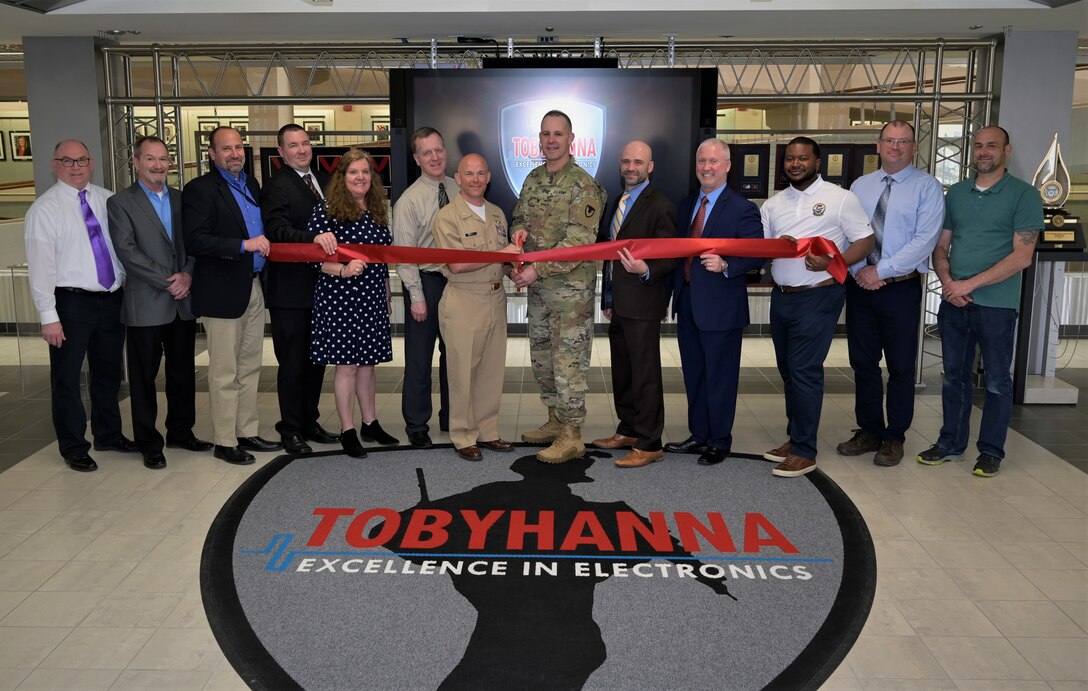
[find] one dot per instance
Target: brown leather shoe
(861, 442)
(496, 445)
(778, 455)
(891, 452)
(638, 458)
(616, 441)
(794, 466)
(470, 453)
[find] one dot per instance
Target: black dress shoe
(420, 440)
(190, 444)
(233, 454)
(689, 445)
(319, 435)
(81, 462)
(713, 456)
(258, 444)
(122, 444)
(293, 443)
(154, 460)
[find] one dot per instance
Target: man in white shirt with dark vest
(75, 280)
(806, 301)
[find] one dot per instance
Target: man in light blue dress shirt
(884, 293)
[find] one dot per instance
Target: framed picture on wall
(3, 148)
(315, 127)
(21, 148)
(380, 125)
(243, 129)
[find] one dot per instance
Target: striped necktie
(877, 223)
(696, 231)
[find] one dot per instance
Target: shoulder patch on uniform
(590, 211)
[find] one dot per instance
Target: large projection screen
(497, 113)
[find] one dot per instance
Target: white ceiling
(191, 21)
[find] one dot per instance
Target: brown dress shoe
(616, 441)
(778, 455)
(890, 453)
(794, 466)
(496, 445)
(638, 458)
(470, 453)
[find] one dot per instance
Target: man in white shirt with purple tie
(75, 281)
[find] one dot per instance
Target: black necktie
(442, 198)
(310, 183)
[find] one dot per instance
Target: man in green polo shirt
(991, 224)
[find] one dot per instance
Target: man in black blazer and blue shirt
(287, 202)
(710, 301)
(145, 221)
(634, 297)
(221, 218)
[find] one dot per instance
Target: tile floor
(982, 584)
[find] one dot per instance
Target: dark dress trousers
(286, 206)
(157, 323)
(638, 306)
(711, 313)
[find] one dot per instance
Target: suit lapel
(144, 205)
(175, 217)
(228, 199)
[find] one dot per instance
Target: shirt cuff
(50, 316)
(415, 293)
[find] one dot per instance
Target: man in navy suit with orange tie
(710, 301)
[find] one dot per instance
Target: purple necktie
(102, 261)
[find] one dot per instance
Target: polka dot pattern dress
(351, 317)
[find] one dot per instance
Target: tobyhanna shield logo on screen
(519, 130)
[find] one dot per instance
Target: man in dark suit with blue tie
(634, 297)
(710, 301)
(287, 202)
(145, 221)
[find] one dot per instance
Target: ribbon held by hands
(655, 248)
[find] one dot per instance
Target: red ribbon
(640, 249)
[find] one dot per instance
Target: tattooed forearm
(1027, 237)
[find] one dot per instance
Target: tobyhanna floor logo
(525, 575)
(519, 133)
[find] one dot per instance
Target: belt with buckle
(904, 277)
(81, 291)
(801, 289)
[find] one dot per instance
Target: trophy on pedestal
(1061, 230)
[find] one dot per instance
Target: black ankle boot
(350, 441)
(373, 432)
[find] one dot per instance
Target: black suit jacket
(214, 232)
(720, 303)
(652, 216)
(286, 206)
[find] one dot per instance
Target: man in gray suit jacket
(145, 221)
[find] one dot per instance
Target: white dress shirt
(58, 246)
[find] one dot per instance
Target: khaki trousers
(472, 320)
(235, 347)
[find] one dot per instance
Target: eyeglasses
(901, 142)
(82, 162)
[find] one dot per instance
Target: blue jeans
(993, 330)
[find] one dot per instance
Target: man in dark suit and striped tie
(710, 301)
(634, 296)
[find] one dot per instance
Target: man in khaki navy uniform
(560, 206)
(472, 312)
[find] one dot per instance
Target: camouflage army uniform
(561, 210)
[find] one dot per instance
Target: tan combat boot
(566, 447)
(546, 433)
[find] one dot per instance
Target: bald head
(72, 163)
(636, 163)
(473, 177)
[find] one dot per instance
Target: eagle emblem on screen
(519, 133)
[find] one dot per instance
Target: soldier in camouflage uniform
(560, 206)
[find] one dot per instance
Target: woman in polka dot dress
(351, 301)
